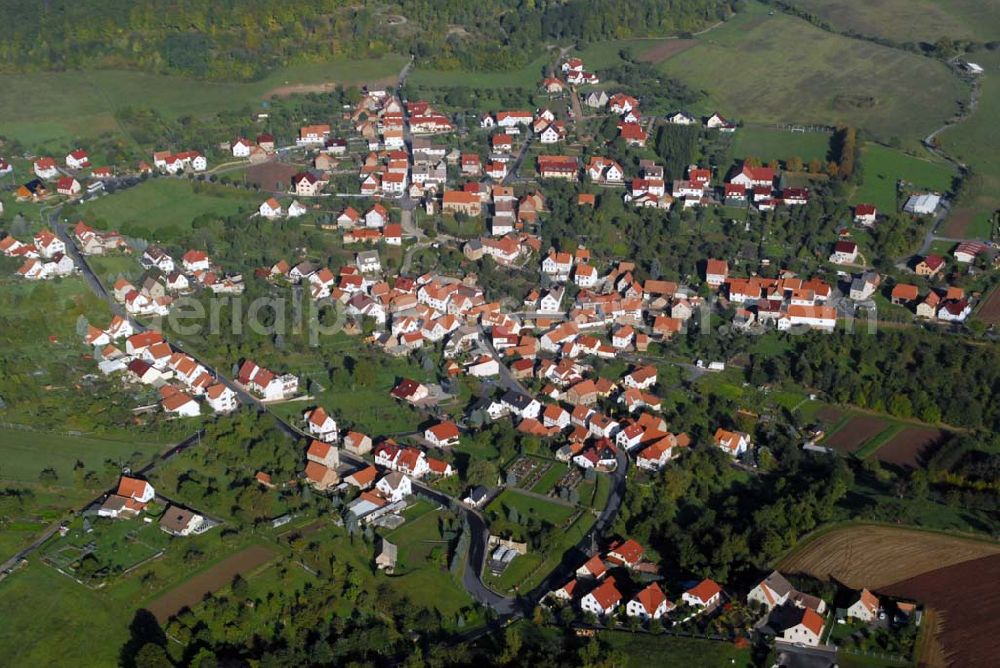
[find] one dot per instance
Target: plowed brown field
(215, 578)
(874, 556)
(967, 598)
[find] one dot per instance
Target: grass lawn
(884, 166)
(422, 569)
(25, 453)
(529, 506)
(529, 76)
(769, 144)
(549, 478)
(602, 55)
(791, 71)
(367, 409)
(115, 265)
(910, 20)
(974, 143)
(41, 509)
(49, 107)
(51, 620)
(644, 650)
(118, 545)
(164, 203)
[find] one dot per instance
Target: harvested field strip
(968, 609)
(193, 591)
(989, 310)
(666, 49)
(873, 556)
(909, 446)
(857, 431)
(929, 652)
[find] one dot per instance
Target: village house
(865, 609)
(394, 486)
(734, 443)
(320, 424)
(844, 252)
(865, 214)
(444, 434)
(929, 266)
(716, 272)
(603, 599)
(796, 625)
(650, 603)
(703, 595)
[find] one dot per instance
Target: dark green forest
(244, 39)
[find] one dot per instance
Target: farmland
(874, 556)
(884, 166)
(908, 446)
(162, 207)
(972, 142)
(40, 108)
(832, 80)
(26, 453)
(528, 76)
(857, 431)
(968, 609)
(213, 579)
(989, 309)
(909, 20)
(50, 620)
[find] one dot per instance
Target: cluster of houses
(948, 304)
(384, 487)
(169, 278)
(272, 209)
(133, 495)
(147, 359)
(261, 150)
(44, 257)
(176, 163)
(372, 227)
(267, 384)
(597, 587)
(784, 302)
(798, 618)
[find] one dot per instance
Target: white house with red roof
(221, 399)
(801, 626)
(844, 252)
(705, 594)
(320, 424)
(45, 168)
(443, 434)
(78, 159)
(734, 443)
(603, 599)
(196, 260)
(626, 553)
(593, 569)
(270, 209)
(716, 272)
(751, 177)
(48, 244)
(865, 608)
(650, 603)
(241, 148)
